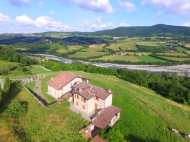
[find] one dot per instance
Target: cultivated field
(95, 47)
(172, 54)
(149, 59)
(120, 58)
(187, 45)
(148, 43)
(87, 54)
(181, 49)
(175, 58)
(123, 44)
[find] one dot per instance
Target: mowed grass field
(87, 54)
(173, 54)
(120, 58)
(145, 115)
(123, 44)
(149, 59)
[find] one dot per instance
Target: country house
(92, 102)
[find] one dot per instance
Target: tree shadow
(15, 89)
(133, 138)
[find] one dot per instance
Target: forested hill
(159, 29)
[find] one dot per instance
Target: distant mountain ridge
(144, 30)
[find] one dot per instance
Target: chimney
(80, 90)
(109, 90)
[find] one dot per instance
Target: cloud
(98, 19)
(159, 13)
(92, 5)
(4, 18)
(186, 24)
(19, 3)
(40, 3)
(42, 22)
(96, 27)
(52, 12)
(173, 7)
(127, 6)
(124, 25)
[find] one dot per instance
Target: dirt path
(38, 90)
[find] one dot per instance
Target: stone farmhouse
(90, 101)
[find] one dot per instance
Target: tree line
(169, 85)
(12, 56)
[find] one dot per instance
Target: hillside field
(123, 44)
(145, 115)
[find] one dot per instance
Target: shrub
(17, 109)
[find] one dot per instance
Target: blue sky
(35, 16)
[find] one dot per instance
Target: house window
(77, 103)
(83, 107)
(78, 97)
(75, 95)
(85, 100)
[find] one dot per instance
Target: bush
(17, 109)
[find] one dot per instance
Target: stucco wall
(108, 101)
(114, 119)
(68, 87)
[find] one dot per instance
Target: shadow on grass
(15, 89)
(133, 138)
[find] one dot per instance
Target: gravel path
(38, 90)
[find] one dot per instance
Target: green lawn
(87, 54)
(145, 115)
(121, 58)
(149, 59)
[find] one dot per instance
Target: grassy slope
(54, 123)
(145, 114)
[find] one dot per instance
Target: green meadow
(145, 115)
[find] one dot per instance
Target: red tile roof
(88, 91)
(99, 139)
(61, 80)
(67, 95)
(105, 116)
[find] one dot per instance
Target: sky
(36, 16)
